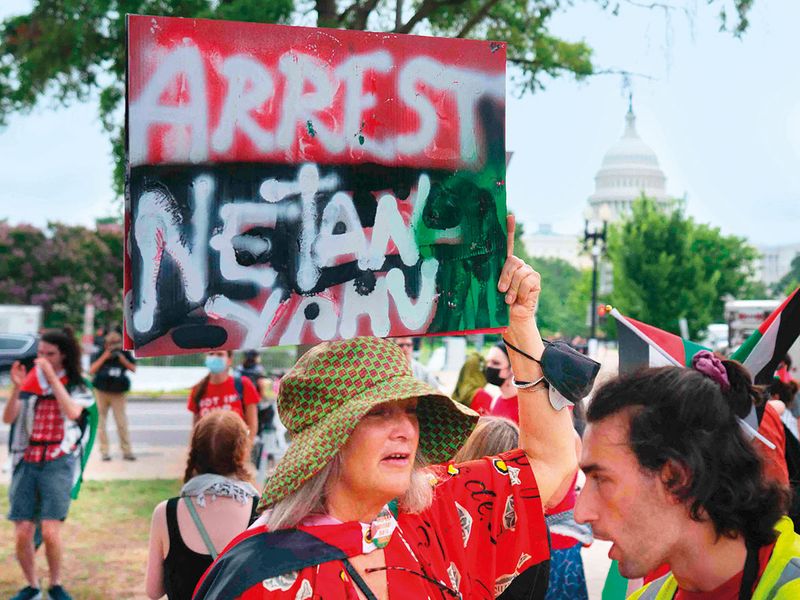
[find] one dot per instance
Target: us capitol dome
(629, 169)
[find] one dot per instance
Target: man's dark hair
(679, 416)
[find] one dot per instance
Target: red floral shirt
(483, 534)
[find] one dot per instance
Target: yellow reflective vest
(780, 581)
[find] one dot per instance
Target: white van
(745, 316)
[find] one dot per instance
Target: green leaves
(69, 50)
(58, 269)
(789, 282)
(565, 292)
(666, 267)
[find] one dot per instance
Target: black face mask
(492, 375)
(569, 371)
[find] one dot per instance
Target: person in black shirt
(217, 502)
(111, 383)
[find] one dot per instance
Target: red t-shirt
(484, 404)
(771, 427)
(562, 542)
(484, 528)
(730, 589)
(223, 396)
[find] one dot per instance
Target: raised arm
(95, 366)
(128, 364)
(11, 409)
(546, 435)
(71, 409)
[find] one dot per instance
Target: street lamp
(594, 240)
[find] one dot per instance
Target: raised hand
(46, 368)
(18, 373)
(520, 283)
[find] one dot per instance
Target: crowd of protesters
(391, 489)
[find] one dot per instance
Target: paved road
(164, 424)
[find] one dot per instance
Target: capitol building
(629, 169)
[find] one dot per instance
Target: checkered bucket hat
(333, 386)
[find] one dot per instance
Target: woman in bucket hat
(351, 511)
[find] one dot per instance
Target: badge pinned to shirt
(376, 535)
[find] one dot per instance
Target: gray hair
(311, 497)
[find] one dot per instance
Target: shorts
(41, 491)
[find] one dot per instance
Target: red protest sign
(289, 185)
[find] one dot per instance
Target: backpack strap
(253, 512)
(200, 528)
(238, 384)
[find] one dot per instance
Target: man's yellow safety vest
(780, 581)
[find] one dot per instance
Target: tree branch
(665, 6)
(343, 15)
(536, 65)
(426, 9)
(398, 14)
(326, 13)
(476, 18)
(362, 12)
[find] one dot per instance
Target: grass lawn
(105, 540)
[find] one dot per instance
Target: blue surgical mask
(216, 364)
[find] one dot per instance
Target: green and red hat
(333, 386)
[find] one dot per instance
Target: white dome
(629, 169)
(630, 150)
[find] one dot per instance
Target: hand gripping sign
(291, 185)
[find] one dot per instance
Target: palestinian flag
(763, 350)
(616, 586)
(642, 345)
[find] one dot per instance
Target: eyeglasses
(406, 345)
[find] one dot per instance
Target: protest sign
(290, 185)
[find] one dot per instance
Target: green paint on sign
(310, 127)
(361, 139)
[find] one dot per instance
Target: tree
(734, 260)
(559, 313)
(561, 310)
(57, 269)
(73, 49)
(666, 267)
(789, 282)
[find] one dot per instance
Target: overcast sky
(723, 116)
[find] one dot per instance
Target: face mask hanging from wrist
(568, 371)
